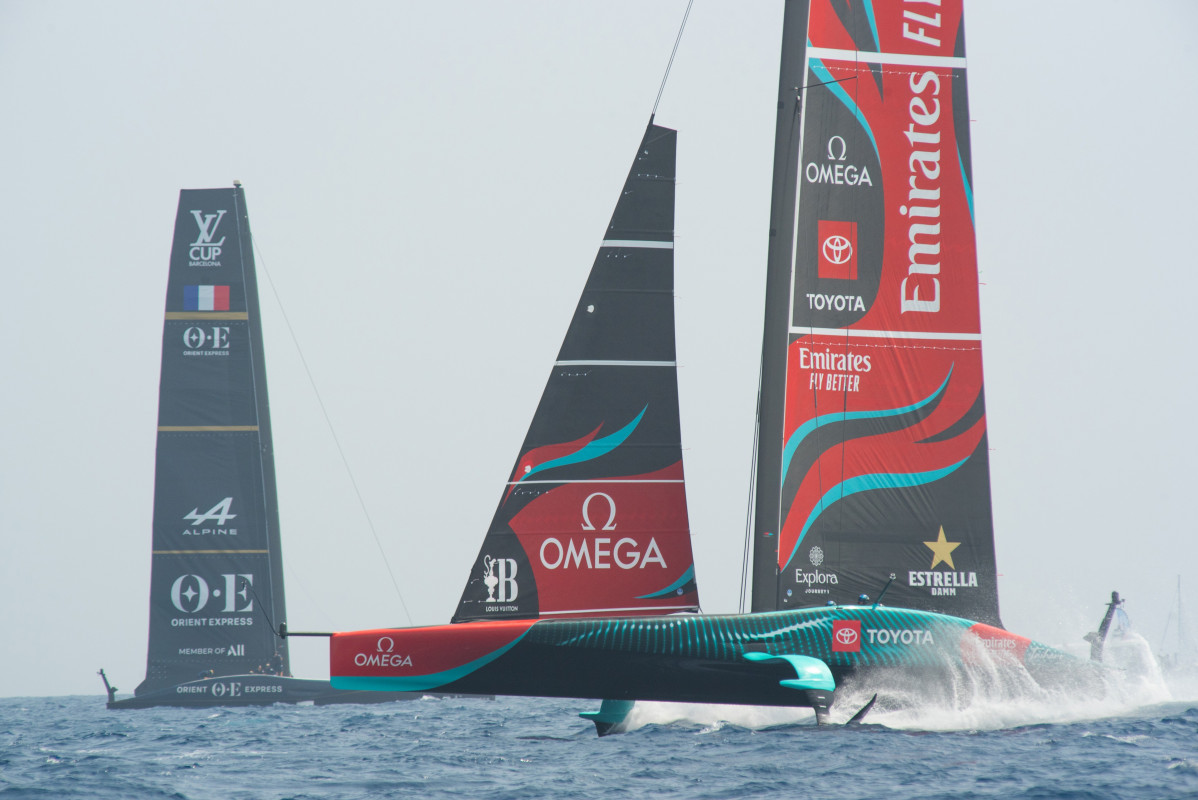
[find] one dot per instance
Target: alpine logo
(837, 250)
(846, 636)
(203, 251)
(220, 514)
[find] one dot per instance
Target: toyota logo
(837, 249)
(846, 636)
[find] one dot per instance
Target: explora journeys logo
(816, 577)
(204, 252)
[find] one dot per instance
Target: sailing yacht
(216, 580)
(873, 543)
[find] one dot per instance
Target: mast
(873, 461)
(767, 510)
(277, 613)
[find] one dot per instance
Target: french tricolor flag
(205, 298)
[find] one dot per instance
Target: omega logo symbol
(837, 249)
(385, 645)
(587, 525)
(844, 149)
(846, 636)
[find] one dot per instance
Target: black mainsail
(216, 582)
(216, 575)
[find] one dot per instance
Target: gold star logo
(942, 550)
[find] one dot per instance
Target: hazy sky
(427, 185)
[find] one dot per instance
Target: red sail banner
(884, 468)
(601, 548)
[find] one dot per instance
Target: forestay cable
(329, 422)
(673, 52)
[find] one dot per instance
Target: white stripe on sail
(637, 243)
(856, 333)
(614, 363)
(603, 480)
(900, 59)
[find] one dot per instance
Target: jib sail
(593, 520)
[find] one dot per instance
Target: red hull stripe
(445, 653)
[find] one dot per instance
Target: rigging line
(673, 52)
(744, 561)
(262, 606)
(345, 462)
(806, 86)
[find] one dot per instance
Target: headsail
(593, 520)
(216, 568)
(873, 419)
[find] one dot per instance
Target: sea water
(1139, 741)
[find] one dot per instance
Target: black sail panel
(593, 519)
(216, 573)
(878, 461)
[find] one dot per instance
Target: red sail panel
(916, 27)
(619, 547)
(902, 417)
(893, 195)
(884, 462)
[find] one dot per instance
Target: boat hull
(688, 658)
(253, 690)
